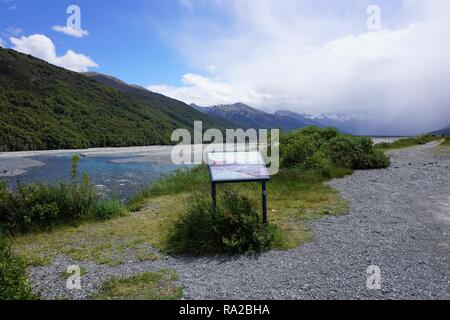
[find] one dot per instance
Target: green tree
(74, 165)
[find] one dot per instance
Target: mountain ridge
(246, 117)
(442, 132)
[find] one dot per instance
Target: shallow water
(112, 179)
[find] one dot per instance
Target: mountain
(345, 123)
(199, 108)
(292, 120)
(245, 117)
(46, 107)
(184, 114)
(443, 132)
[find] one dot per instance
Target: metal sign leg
(213, 195)
(264, 201)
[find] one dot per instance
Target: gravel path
(399, 220)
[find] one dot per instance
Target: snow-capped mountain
(244, 116)
(338, 117)
(354, 124)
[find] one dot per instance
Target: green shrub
(356, 153)
(299, 152)
(37, 206)
(233, 228)
(319, 161)
(318, 149)
(74, 165)
(13, 278)
(424, 139)
(377, 159)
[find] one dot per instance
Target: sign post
(264, 201)
(238, 167)
(213, 194)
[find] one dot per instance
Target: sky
(385, 59)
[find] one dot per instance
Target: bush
(37, 206)
(424, 139)
(301, 151)
(13, 279)
(356, 153)
(233, 228)
(318, 149)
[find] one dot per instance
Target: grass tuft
(66, 275)
(157, 285)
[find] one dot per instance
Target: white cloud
(78, 33)
(211, 68)
(2, 43)
(307, 57)
(42, 47)
(206, 91)
(12, 31)
(11, 4)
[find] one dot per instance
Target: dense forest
(46, 107)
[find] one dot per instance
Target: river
(118, 172)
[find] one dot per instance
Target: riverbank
(90, 152)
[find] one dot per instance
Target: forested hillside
(45, 107)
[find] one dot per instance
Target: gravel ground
(399, 220)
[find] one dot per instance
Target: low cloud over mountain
(318, 57)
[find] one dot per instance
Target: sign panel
(237, 167)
